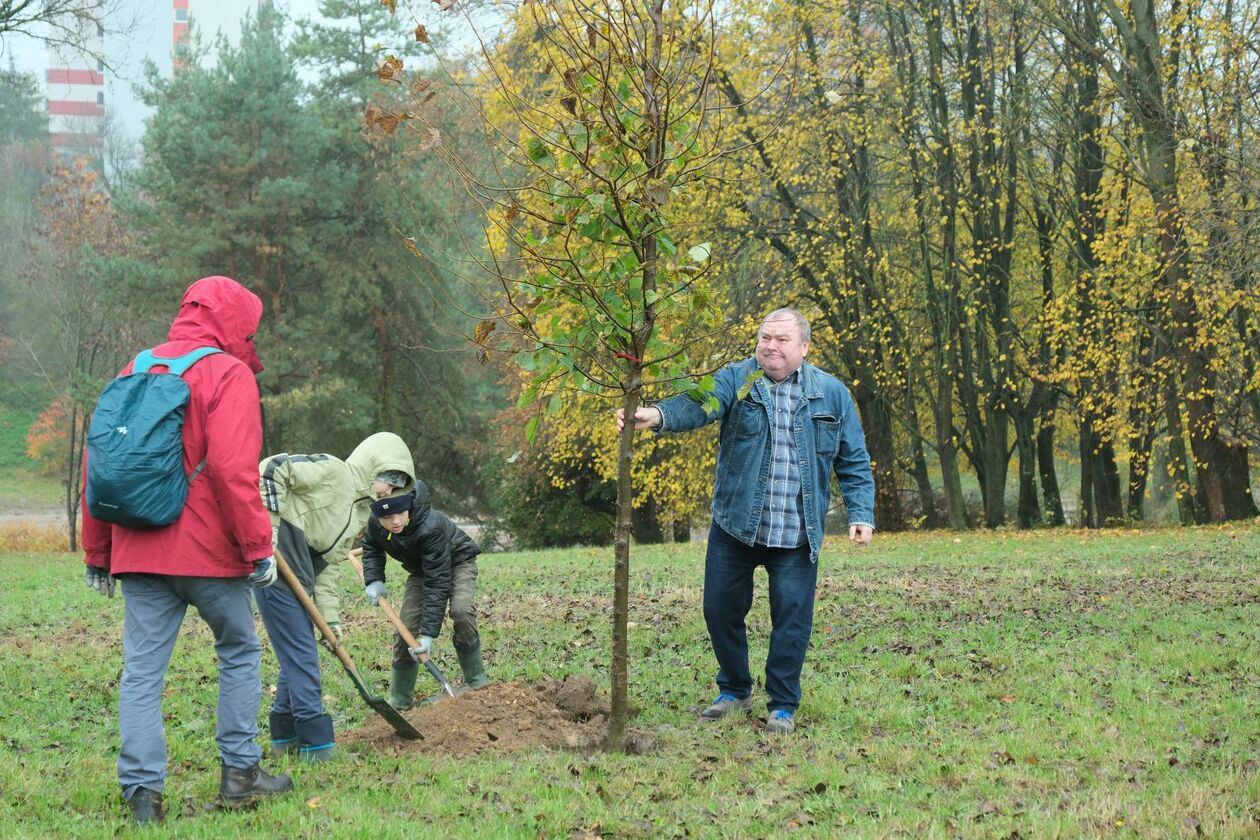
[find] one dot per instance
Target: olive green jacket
(328, 501)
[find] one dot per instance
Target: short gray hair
(801, 321)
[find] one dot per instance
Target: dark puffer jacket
(428, 548)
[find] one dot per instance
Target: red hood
(220, 312)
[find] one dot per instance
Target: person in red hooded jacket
(208, 558)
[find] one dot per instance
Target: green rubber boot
(474, 670)
(402, 687)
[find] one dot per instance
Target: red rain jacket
(224, 526)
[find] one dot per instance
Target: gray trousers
(462, 606)
(154, 610)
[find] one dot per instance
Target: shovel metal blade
(439, 676)
(381, 706)
(400, 724)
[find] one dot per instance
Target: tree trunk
(1107, 499)
(1222, 498)
(940, 299)
(74, 470)
(1049, 477)
(1044, 401)
(944, 306)
(1151, 106)
(877, 424)
(682, 531)
(1085, 517)
(619, 711)
(919, 469)
(947, 452)
(997, 462)
(620, 706)
(645, 524)
(853, 180)
(1236, 481)
(1141, 443)
(1100, 497)
(1187, 509)
(1027, 510)
(1098, 467)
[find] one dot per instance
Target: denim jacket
(828, 434)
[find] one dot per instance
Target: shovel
(382, 708)
(401, 628)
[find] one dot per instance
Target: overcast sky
(28, 54)
(148, 25)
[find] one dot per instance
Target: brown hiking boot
(239, 787)
(146, 806)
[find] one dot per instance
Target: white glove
(100, 580)
(375, 590)
(426, 644)
(264, 573)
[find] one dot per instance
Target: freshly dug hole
(565, 713)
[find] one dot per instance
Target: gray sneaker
(725, 704)
(780, 722)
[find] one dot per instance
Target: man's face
(395, 522)
(380, 489)
(780, 349)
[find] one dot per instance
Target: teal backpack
(135, 444)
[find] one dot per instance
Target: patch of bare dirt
(563, 713)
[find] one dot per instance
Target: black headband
(392, 504)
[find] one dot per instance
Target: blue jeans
(154, 610)
(728, 596)
(299, 695)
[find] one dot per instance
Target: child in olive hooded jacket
(319, 505)
(441, 563)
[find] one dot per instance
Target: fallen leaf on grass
(987, 809)
(313, 803)
(799, 821)
(1008, 698)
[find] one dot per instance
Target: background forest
(1025, 231)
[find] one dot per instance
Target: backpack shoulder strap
(177, 365)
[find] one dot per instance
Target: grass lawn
(22, 485)
(980, 685)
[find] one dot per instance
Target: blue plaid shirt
(783, 518)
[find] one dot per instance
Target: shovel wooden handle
(397, 621)
(299, 592)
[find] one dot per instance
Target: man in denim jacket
(785, 427)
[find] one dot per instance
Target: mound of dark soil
(506, 717)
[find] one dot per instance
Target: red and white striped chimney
(179, 33)
(75, 83)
